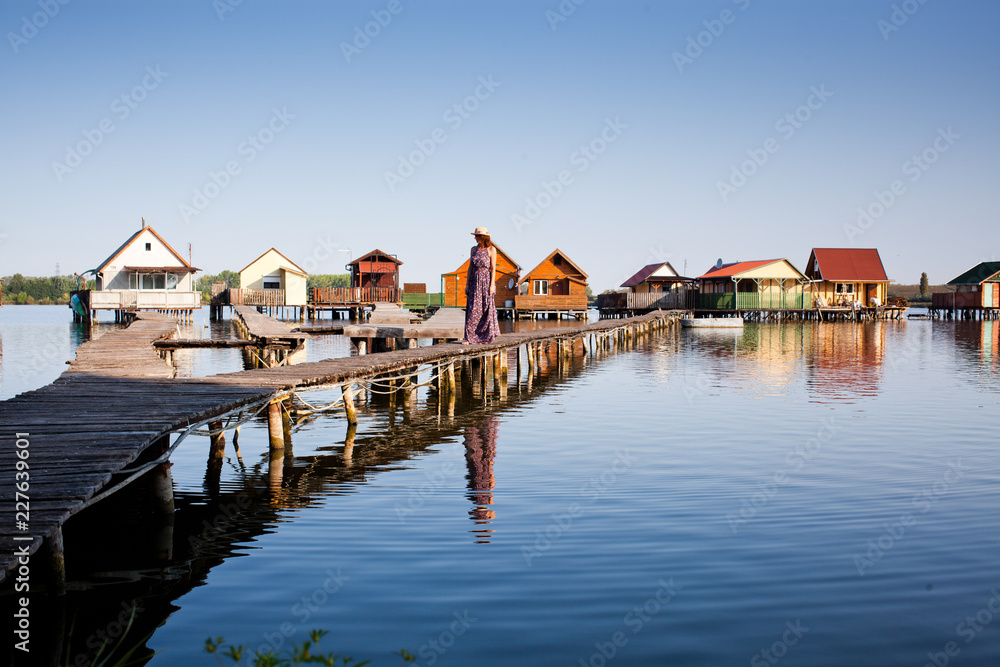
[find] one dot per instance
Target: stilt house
(508, 275)
(843, 276)
(769, 284)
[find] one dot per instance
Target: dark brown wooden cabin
(508, 276)
(555, 286)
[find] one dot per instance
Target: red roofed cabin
(769, 284)
(508, 275)
(556, 286)
(377, 275)
(844, 276)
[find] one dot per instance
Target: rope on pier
(163, 458)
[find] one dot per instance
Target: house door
(989, 295)
(871, 292)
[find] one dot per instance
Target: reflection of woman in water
(480, 450)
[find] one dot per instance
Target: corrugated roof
(978, 274)
(736, 268)
(860, 264)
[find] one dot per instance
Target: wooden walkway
(119, 399)
(265, 330)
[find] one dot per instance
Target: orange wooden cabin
(508, 275)
(556, 286)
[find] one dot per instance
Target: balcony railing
(422, 300)
(336, 296)
(751, 301)
(550, 302)
(675, 300)
(256, 297)
(143, 300)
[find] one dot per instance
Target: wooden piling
(275, 430)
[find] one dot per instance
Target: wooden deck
(119, 399)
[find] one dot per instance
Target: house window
(133, 281)
(557, 260)
(172, 280)
(541, 287)
(149, 247)
(845, 288)
(147, 281)
(272, 281)
(159, 281)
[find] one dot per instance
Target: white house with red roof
(768, 284)
(144, 273)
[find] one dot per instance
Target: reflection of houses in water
(978, 343)
(480, 450)
(846, 362)
(151, 563)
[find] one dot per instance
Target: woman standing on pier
(481, 324)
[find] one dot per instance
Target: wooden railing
(332, 296)
(751, 301)
(421, 300)
(550, 302)
(141, 299)
(957, 300)
(256, 297)
(676, 300)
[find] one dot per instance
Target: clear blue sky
(668, 120)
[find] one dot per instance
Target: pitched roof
(552, 254)
(298, 269)
(129, 242)
(736, 268)
(861, 264)
(500, 251)
(376, 251)
(980, 273)
(645, 274)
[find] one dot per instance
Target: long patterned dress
(481, 324)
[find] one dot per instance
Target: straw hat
(481, 231)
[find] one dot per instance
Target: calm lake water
(796, 494)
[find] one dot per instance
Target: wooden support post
(352, 431)
(56, 561)
(362, 347)
(217, 441)
(275, 430)
(450, 376)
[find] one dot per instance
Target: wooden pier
(104, 422)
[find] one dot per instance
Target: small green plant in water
(306, 653)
